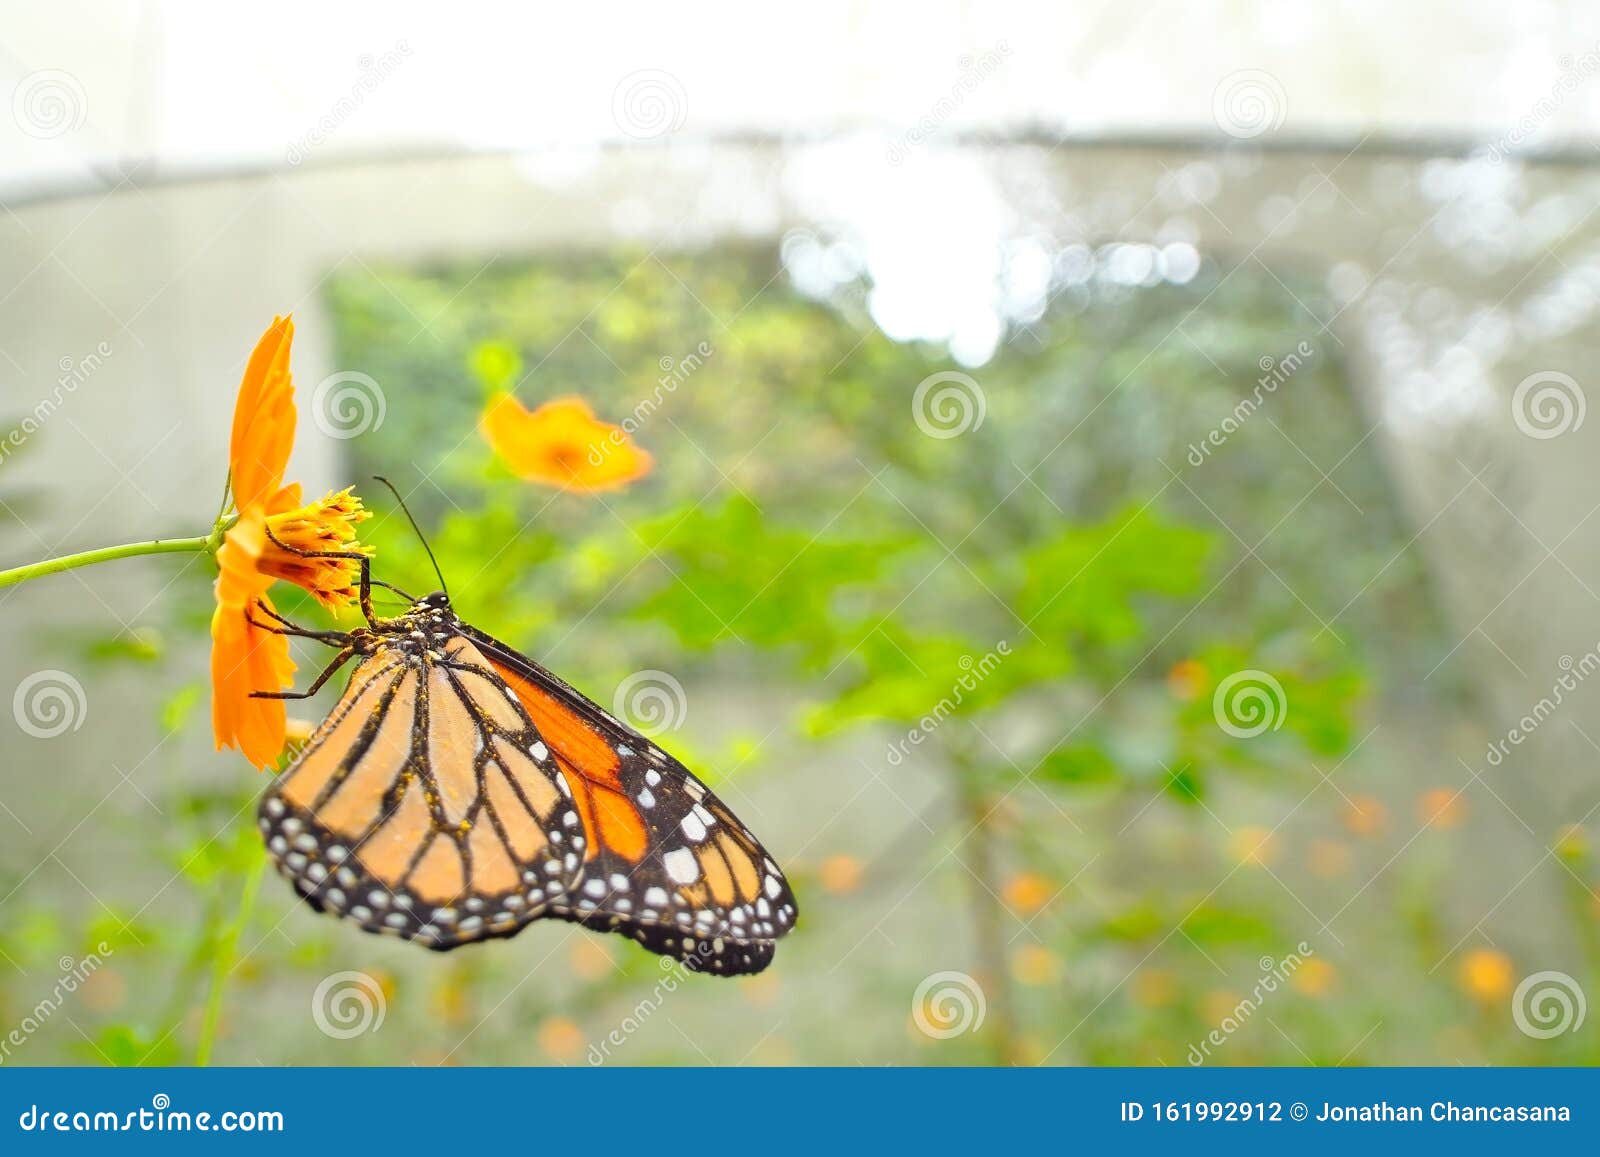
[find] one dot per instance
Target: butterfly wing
(425, 805)
(667, 862)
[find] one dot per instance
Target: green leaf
(497, 365)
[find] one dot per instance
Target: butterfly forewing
(667, 862)
(426, 805)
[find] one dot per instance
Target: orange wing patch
(593, 772)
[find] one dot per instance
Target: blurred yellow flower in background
(1441, 807)
(450, 1000)
(1252, 845)
(562, 444)
(1486, 974)
(1219, 1005)
(1154, 987)
(840, 874)
(1571, 843)
(1027, 892)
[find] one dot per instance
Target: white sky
(194, 84)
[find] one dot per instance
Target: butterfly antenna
(422, 538)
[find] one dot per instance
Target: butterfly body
(459, 791)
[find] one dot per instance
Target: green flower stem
(224, 962)
(206, 543)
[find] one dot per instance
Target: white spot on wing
(681, 865)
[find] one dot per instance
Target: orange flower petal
(244, 658)
(562, 444)
(263, 419)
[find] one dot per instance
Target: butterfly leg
(339, 660)
(285, 627)
(351, 555)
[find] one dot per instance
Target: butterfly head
(437, 601)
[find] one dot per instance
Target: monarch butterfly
(459, 791)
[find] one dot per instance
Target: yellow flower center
(328, 524)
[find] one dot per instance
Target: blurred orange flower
(562, 444)
(1486, 974)
(591, 959)
(1027, 892)
(841, 874)
(1441, 807)
(560, 1039)
(245, 658)
(1314, 977)
(1364, 815)
(762, 990)
(1034, 964)
(1187, 679)
(1154, 987)
(1329, 858)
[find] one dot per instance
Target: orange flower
(245, 658)
(1187, 679)
(1036, 965)
(562, 444)
(840, 874)
(1027, 892)
(560, 1039)
(1364, 815)
(1441, 807)
(1315, 977)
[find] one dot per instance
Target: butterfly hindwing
(426, 805)
(667, 863)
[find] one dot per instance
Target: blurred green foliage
(1034, 618)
